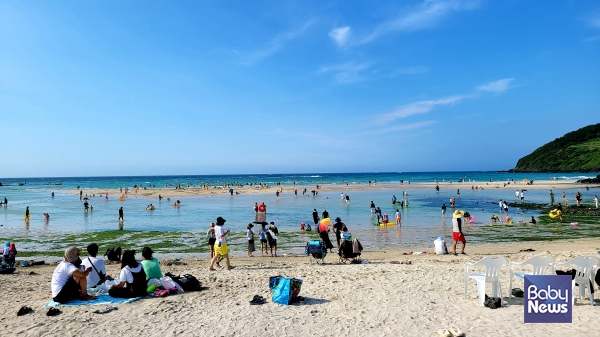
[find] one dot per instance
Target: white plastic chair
(540, 266)
(584, 275)
(492, 264)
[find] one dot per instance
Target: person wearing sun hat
(68, 281)
(457, 234)
(221, 244)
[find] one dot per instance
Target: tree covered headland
(577, 151)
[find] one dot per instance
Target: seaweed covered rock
(590, 180)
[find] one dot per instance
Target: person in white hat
(457, 234)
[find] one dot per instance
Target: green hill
(577, 151)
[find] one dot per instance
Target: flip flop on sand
(444, 333)
(456, 332)
(53, 312)
(24, 311)
(257, 300)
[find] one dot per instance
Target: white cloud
(340, 35)
(594, 20)
(277, 43)
(426, 15)
(421, 107)
(592, 38)
(497, 86)
(347, 72)
(405, 127)
(411, 70)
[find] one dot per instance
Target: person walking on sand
(220, 245)
(210, 233)
(457, 233)
(121, 214)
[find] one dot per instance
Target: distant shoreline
(195, 191)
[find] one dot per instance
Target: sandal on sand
(444, 333)
(53, 312)
(456, 332)
(24, 311)
(106, 311)
(230, 267)
(258, 300)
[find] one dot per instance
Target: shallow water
(421, 221)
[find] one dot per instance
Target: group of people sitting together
(74, 275)
(8, 255)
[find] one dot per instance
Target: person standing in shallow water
(121, 214)
(315, 216)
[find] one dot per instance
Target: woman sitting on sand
(133, 278)
(68, 281)
(150, 265)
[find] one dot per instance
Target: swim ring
(472, 219)
(122, 198)
(150, 208)
(554, 213)
(387, 224)
(175, 204)
(26, 216)
(574, 223)
(262, 208)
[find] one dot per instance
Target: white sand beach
(192, 191)
(374, 299)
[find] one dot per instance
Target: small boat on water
(58, 182)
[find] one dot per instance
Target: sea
(421, 220)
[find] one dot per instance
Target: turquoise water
(420, 224)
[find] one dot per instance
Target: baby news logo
(548, 299)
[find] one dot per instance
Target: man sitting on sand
(68, 281)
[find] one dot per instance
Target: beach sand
(192, 191)
(374, 299)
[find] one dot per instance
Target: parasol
(323, 224)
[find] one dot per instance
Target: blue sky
(149, 87)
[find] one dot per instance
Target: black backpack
(188, 282)
(113, 254)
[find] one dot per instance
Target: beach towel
(100, 299)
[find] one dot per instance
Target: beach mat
(100, 299)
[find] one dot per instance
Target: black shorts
(263, 241)
(70, 291)
(211, 241)
(272, 243)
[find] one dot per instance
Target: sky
(240, 87)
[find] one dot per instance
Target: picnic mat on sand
(100, 299)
